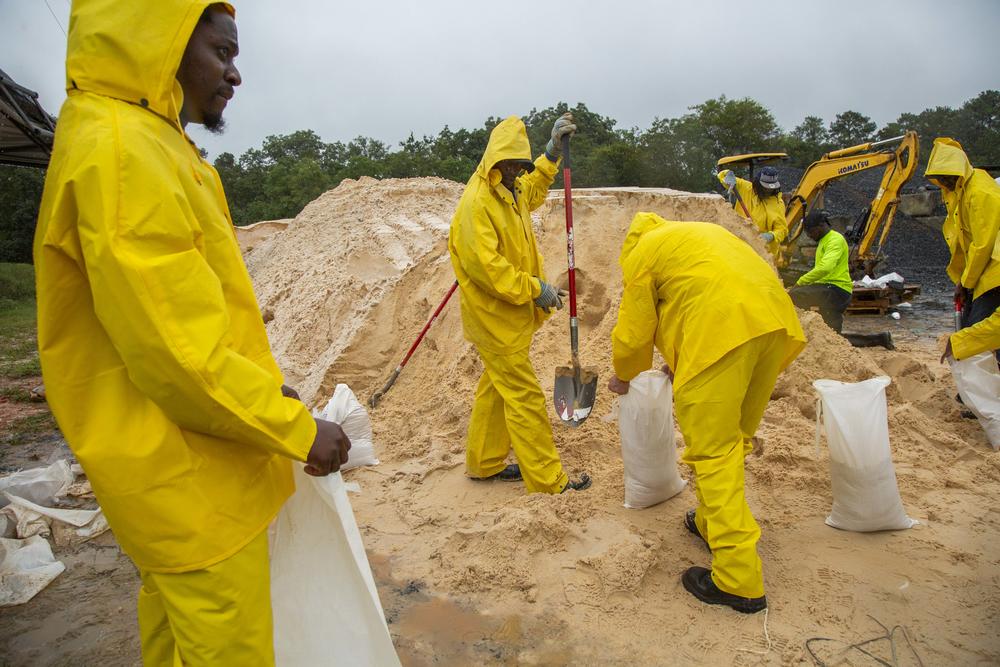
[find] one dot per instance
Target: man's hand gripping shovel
(730, 183)
(575, 387)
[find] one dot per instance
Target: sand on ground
(537, 579)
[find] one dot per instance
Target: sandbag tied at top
(865, 494)
(978, 381)
(646, 424)
(345, 410)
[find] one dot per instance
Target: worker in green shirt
(828, 286)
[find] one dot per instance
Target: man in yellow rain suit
(973, 201)
(505, 298)
(763, 200)
(720, 317)
(155, 359)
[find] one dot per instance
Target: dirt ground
(479, 573)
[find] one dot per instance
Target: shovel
(377, 396)
(575, 388)
(731, 189)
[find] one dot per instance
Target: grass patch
(43, 422)
(16, 394)
(18, 342)
(18, 322)
(21, 368)
(17, 283)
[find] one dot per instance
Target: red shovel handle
(567, 186)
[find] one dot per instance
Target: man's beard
(214, 123)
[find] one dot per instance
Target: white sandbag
(978, 381)
(345, 409)
(865, 494)
(646, 425)
(39, 485)
(26, 567)
(323, 596)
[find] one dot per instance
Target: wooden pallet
(867, 309)
(878, 300)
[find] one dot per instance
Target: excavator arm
(867, 237)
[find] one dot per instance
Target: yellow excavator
(897, 157)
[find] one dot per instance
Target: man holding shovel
(505, 299)
(726, 328)
(761, 200)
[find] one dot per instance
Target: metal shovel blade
(574, 393)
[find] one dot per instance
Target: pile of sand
(251, 236)
(552, 579)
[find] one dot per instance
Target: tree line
(288, 171)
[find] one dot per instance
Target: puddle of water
(930, 315)
(433, 630)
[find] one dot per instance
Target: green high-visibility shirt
(831, 263)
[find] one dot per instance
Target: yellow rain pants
(718, 412)
(220, 615)
(510, 412)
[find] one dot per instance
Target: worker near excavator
(153, 350)
(726, 328)
(505, 299)
(763, 200)
(828, 286)
(972, 198)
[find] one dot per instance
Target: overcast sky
(384, 69)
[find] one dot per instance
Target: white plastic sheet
(38, 485)
(26, 567)
(978, 381)
(879, 282)
(649, 454)
(325, 604)
(66, 526)
(345, 409)
(865, 494)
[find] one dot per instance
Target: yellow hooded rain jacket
(768, 214)
(696, 292)
(153, 351)
(973, 217)
(493, 248)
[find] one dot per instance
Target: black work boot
(577, 485)
(698, 582)
(511, 473)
